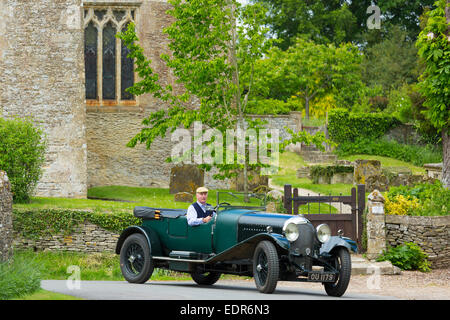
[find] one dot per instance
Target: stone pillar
(376, 231)
(5, 217)
(367, 170)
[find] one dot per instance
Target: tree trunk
(307, 107)
(237, 96)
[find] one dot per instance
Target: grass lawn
(290, 162)
(287, 174)
(387, 162)
(47, 295)
(150, 197)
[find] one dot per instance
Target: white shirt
(191, 215)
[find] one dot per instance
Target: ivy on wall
(327, 172)
(35, 223)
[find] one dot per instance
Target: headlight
(323, 232)
(291, 232)
(290, 228)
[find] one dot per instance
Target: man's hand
(206, 219)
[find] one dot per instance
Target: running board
(178, 259)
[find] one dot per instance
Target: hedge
(22, 153)
(35, 223)
(344, 126)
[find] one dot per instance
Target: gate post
(361, 207)
(376, 231)
(288, 198)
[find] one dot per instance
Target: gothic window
(127, 78)
(108, 70)
(90, 59)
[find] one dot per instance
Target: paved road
(188, 290)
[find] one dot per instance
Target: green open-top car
(240, 240)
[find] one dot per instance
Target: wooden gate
(349, 223)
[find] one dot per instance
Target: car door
(199, 238)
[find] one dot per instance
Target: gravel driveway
(410, 285)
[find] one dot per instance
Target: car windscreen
(242, 199)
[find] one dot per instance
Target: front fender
(245, 249)
(150, 235)
(332, 243)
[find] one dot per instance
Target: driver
(197, 212)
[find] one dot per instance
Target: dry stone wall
(87, 237)
(432, 234)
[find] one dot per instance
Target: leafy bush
(344, 126)
(22, 150)
(408, 256)
(417, 155)
(401, 205)
(18, 277)
(433, 199)
(271, 106)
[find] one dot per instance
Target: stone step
(318, 156)
(361, 266)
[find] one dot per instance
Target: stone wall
(432, 234)
(404, 133)
(6, 228)
(87, 237)
(42, 77)
(110, 162)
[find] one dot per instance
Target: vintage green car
(240, 240)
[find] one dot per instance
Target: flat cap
(201, 189)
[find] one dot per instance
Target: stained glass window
(127, 74)
(109, 61)
(109, 72)
(90, 60)
(119, 14)
(100, 14)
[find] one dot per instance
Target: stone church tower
(62, 66)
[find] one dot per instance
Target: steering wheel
(220, 204)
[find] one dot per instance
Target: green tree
(392, 62)
(309, 71)
(328, 21)
(215, 45)
(338, 21)
(434, 48)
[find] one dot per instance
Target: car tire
(342, 262)
(206, 279)
(266, 267)
(136, 262)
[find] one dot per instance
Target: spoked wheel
(136, 262)
(342, 263)
(206, 278)
(266, 267)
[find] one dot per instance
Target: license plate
(318, 276)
